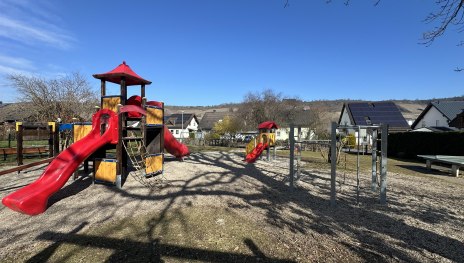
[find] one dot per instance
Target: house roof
(123, 70)
(370, 113)
(10, 112)
(449, 109)
(210, 118)
(174, 121)
(436, 129)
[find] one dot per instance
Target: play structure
(264, 141)
(123, 130)
(379, 136)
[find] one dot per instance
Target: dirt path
(423, 221)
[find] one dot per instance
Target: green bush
(411, 144)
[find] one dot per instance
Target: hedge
(411, 144)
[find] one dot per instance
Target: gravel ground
(423, 221)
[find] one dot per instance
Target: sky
(209, 52)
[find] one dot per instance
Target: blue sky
(210, 52)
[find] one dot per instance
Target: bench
(455, 161)
(30, 150)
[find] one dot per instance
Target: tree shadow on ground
(306, 212)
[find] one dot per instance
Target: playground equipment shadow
(215, 208)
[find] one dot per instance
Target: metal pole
(374, 160)
(292, 153)
(182, 130)
(333, 165)
(357, 167)
(383, 166)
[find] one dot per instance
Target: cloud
(29, 23)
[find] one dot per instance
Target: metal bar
(333, 165)
(374, 160)
(360, 126)
(357, 166)
(292, 153)
(383, 165)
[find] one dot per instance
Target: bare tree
(449, 12)
(49, 99)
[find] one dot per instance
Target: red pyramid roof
(268, 125)
(123, 70)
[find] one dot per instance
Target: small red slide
(173, 146)
(251, 157)
(32, 199)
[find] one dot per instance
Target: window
(423, 124)
(177, 131)
(437, 123)
(172, 131)
(278, 133)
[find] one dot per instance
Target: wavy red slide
(32, 199)
(251, 157)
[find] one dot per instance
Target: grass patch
(406, 167)
(190, 234)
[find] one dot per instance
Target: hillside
(329, 109)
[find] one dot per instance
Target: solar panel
(365, 113)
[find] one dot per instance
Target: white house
(438, 114)
(283, 134)
(181, 129)
(372, 113)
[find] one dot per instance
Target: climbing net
(137, 152)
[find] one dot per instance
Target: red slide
(173, 146)
(251, 157)
(33, 198)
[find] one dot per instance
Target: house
(211, 118)
(373, 113)
(12, 112)
(301, 119)
(182, 125)
(458, 122)
(439, 114)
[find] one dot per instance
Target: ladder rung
(132, 138)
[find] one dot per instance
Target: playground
(214, 207)
(137, 195)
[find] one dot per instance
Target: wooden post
(292, 153)
(103, 87)
(142, 91)
(333, 165)
(50, 141)
(56, 139)
(383, 165)
(19, 143)
(119, 146)
(122, 130)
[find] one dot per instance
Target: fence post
(19, 143)
(51, 147)
(333, 165)
(292, 153)
(383, 165)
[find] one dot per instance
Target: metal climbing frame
(376, 137)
